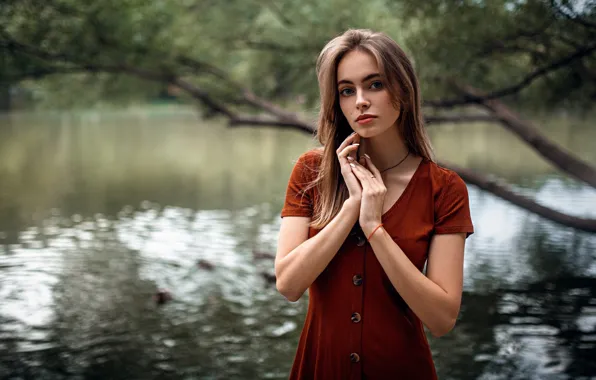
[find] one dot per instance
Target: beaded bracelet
(372, 233)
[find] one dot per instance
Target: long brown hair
(333, 128)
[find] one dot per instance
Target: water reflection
(542, 326)
(86, 296)
(95, 219)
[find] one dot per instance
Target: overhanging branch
(501, 190)
(530, 134)
(579, 53)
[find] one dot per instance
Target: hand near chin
(346, 153)
(373, 193)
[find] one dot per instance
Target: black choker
(391, 167)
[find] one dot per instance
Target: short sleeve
(452, 208)
(298, 201)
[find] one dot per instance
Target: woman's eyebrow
(368, 77)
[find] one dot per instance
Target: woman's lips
(365, 120)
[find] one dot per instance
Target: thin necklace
(391, 167)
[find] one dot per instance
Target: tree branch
(501, 190)
(525, 82)
(38, 73)
(249, 97)
(501, 44)
(531, 135)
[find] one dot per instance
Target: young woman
(362, 216)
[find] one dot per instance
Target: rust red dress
(357, 325)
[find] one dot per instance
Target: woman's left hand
(373, 193)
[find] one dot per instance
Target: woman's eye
(346, 92)
(376, 85)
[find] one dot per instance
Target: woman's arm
(300, 260)
(434, 298)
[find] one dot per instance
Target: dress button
(354, 357)
(360, 240)
(357, 280)
(356, 317)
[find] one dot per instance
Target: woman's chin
(365, 132)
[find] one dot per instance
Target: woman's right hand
(348, 148)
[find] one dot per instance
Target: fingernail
(352, 165)
(367, 156)
(350, 158)
(355, 144)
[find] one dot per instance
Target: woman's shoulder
(309, 161)
(311, 156)
(443, 177)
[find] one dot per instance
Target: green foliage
(271, 46)
(497, 43)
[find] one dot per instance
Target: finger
(376, 178)
(354, 153)
(375, 181)
(366, 170)
(354, 137)
(362, 174)
(347, 141)
(344, 153)
(352, 182)
(372, 167)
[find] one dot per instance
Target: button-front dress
(357, 325)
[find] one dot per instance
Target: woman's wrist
(371, 228)
(350, 210)
(352, 205)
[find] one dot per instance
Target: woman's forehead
(356, 66)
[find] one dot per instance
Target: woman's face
(363, 98)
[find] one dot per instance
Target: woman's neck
(386, 149)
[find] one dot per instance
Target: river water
(100, 210)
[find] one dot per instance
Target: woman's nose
(361, 101)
